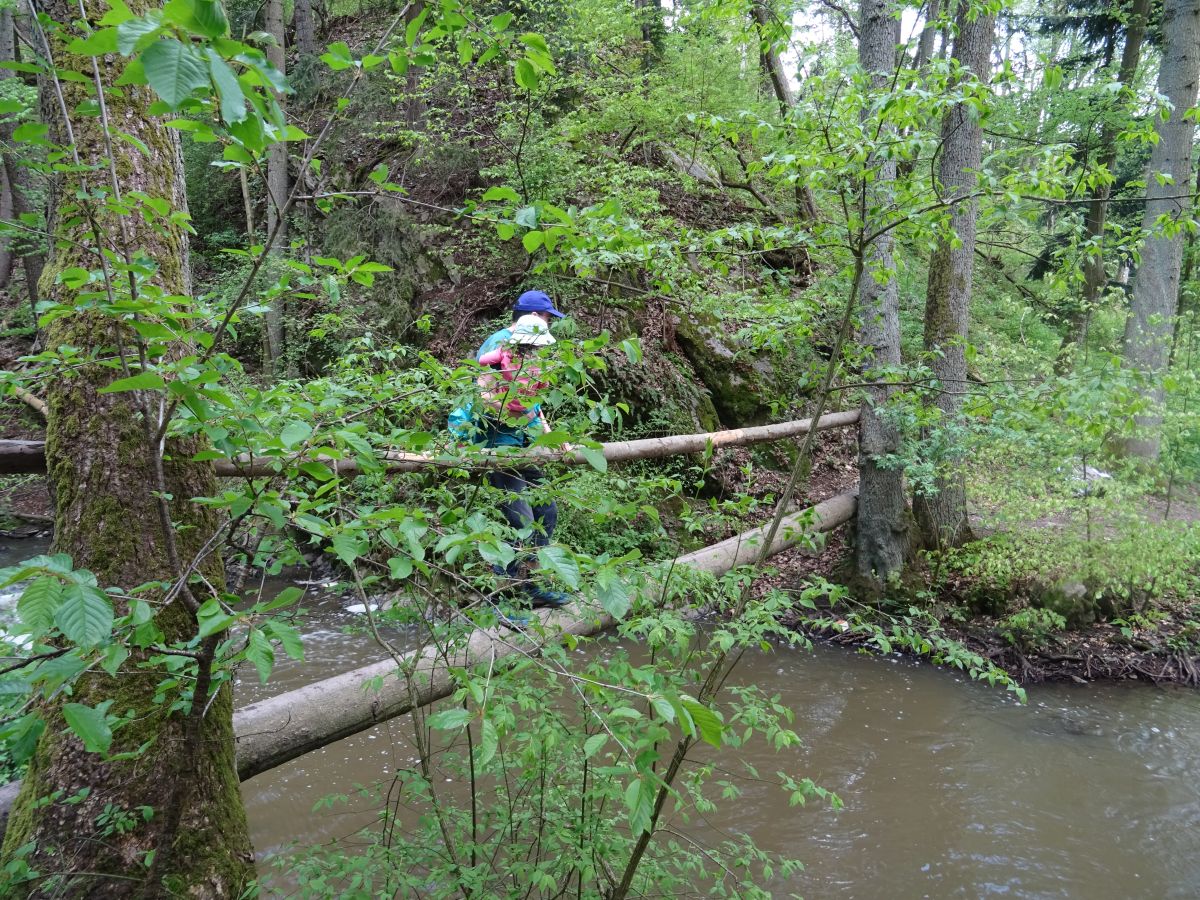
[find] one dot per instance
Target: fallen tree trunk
(274, 731)
(18, 457)
(282, 728)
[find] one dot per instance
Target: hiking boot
(513, 618)
(544, 597)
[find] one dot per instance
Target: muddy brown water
(951, 789)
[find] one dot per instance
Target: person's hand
(568, 448)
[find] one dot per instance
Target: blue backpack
(462, 425)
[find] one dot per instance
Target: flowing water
(951, 789)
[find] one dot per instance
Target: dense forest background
(271, 236)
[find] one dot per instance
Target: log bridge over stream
(281, 728)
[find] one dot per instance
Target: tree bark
(768, 57)
(776, 75)
(16, 176)
(6, 214)
(101, 459)
(882, 531)
(1094, 272)
(28, 457)
(304, 23)
(1147, 343)
(942, 515)
(278, 188)
(928, 33)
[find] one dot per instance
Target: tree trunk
(305, 26)
(768, 58)
(278, 187)
(928, 33)
(1094, 272)
(882, 532)
(16, 177)
(942, 515)
(776, 75)
(6, 214)
(101, 458)
(1147, 342)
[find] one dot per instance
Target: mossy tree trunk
(188, 832)
(1147, 344)
(942, 515)
(882, 525)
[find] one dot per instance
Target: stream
(951, 789)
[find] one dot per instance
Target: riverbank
(1159, 645)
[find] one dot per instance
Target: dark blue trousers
(518, 511)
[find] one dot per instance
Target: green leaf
(286, 597)
(132, 32)
(288, 637)
(141, 382)
(30, 133)
(39, 601)
(595, 458)
(114, 656)
(11, 106)
(90, 725)
(96, 44)
(85, 615)
(535, 41)
(317, 470)
(212, 618)
(20, 736)
(500, 192)
(593, 744)
(295, 432)
(349, 547)
(174, 70)
(117, 13)
(233, 100)
(210, 18)
(613, 596)
(526, 75)
(260, 652)
(532, 241)
(707, 722)
(400, 567)
(414, 27)
(489, 742)
(449, 719)
(639, 799)
(562, 563)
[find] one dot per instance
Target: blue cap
(536, 301)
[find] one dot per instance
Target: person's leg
(515, 508)
(545, 515)
(545, 518)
